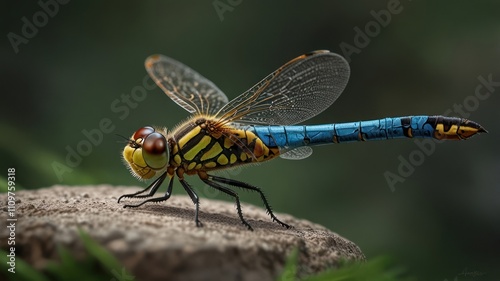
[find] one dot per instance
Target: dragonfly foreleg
(194, 198)
(252, 188)
(154, 187)
(156, 199)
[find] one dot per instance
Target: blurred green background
(442, 221)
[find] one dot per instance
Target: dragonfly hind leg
(232, 194)
(246, 186)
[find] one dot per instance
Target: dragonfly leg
(194, 198)
(154, 187)
(252, 188)
(156, 199)
(232, 194)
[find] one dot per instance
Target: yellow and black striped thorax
(202, 144)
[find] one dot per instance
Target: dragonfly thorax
(147, 152)
(203, 144)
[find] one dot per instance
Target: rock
(159, 241)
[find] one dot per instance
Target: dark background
(442, 221)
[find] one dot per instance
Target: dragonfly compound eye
(155, 150)
(143, 132)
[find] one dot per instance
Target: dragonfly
(257, 126)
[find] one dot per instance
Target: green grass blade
(23, 271)
(290, 269)
(105, 258)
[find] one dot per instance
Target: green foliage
(377, 269)
(98, 265)
(23, 271)
(290, 270)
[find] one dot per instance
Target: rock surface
(161, 241)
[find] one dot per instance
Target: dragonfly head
(147, 152)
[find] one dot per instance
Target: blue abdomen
(438, 127)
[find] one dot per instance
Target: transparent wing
(297, 91)
(185, 86)
(297, 153)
